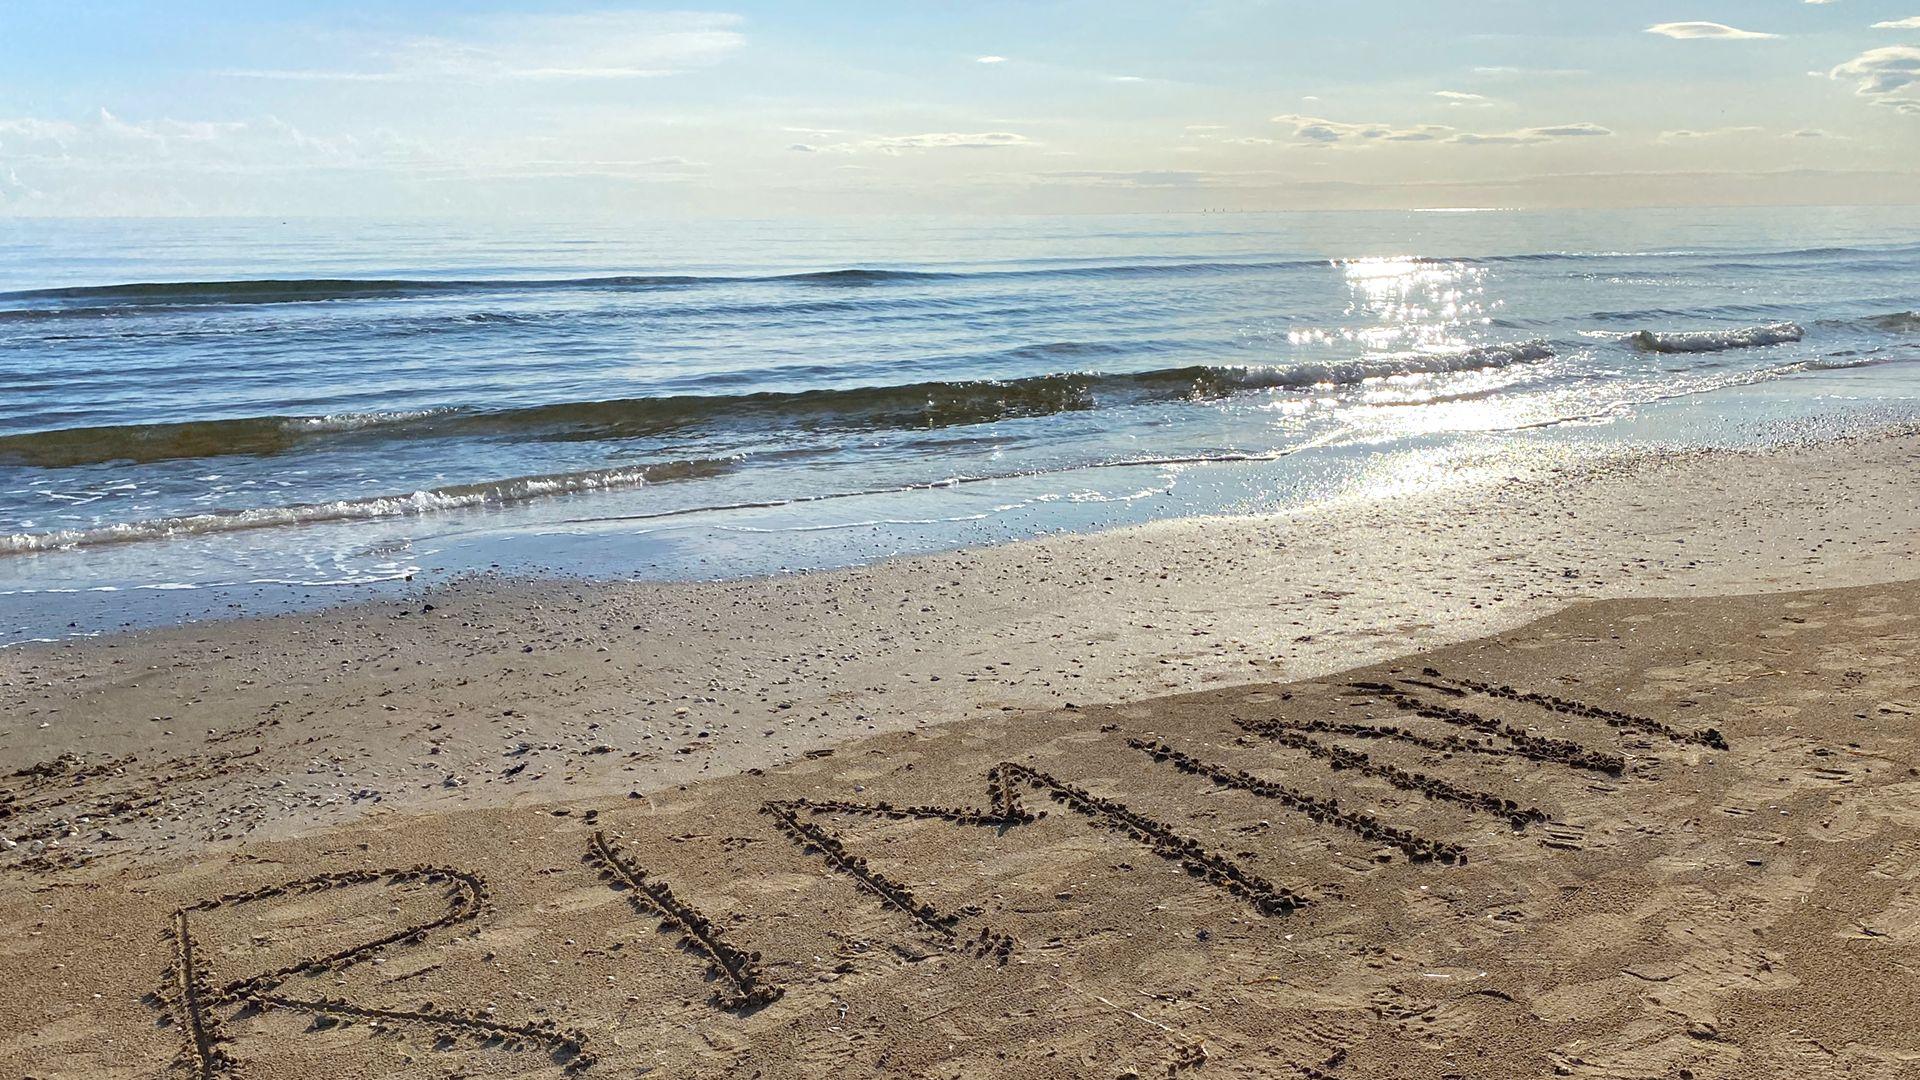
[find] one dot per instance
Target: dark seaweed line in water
(903, 407)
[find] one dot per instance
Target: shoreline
(486, 693)
(76, 593)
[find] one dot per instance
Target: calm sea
(201, 414)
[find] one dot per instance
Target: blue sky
(754, 109)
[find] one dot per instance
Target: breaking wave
(913, 405)
(1898, 322)
(1699, 341)
(453, 497)
(359, 421)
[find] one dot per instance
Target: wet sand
(1692, 855)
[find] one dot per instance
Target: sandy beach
(1606, 770)
(602, 541)
(611, 540)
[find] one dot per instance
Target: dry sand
(1444, 882)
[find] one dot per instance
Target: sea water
(201, 416)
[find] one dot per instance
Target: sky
(764, 109)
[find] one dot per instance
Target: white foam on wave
(356, 421)
(1477, 358)
(455, 497)
(1693, 341)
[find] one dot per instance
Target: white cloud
(54, 152)
(949, 140)
(1142, 178)
(1711, 31)
(1462, 98)
(661, 169)
(1911, 22)
(1314, 129)
(934, 140)
(191, 155)
(1688, 133)
(1883, 75)
(597, 45)
(1569, 131)
(106, 138)
(32, 129)
(990, 60)
(1533, 135)
(17, 191)
(1128, 78)
(1812, 133)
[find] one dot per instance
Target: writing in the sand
(205, 1009)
